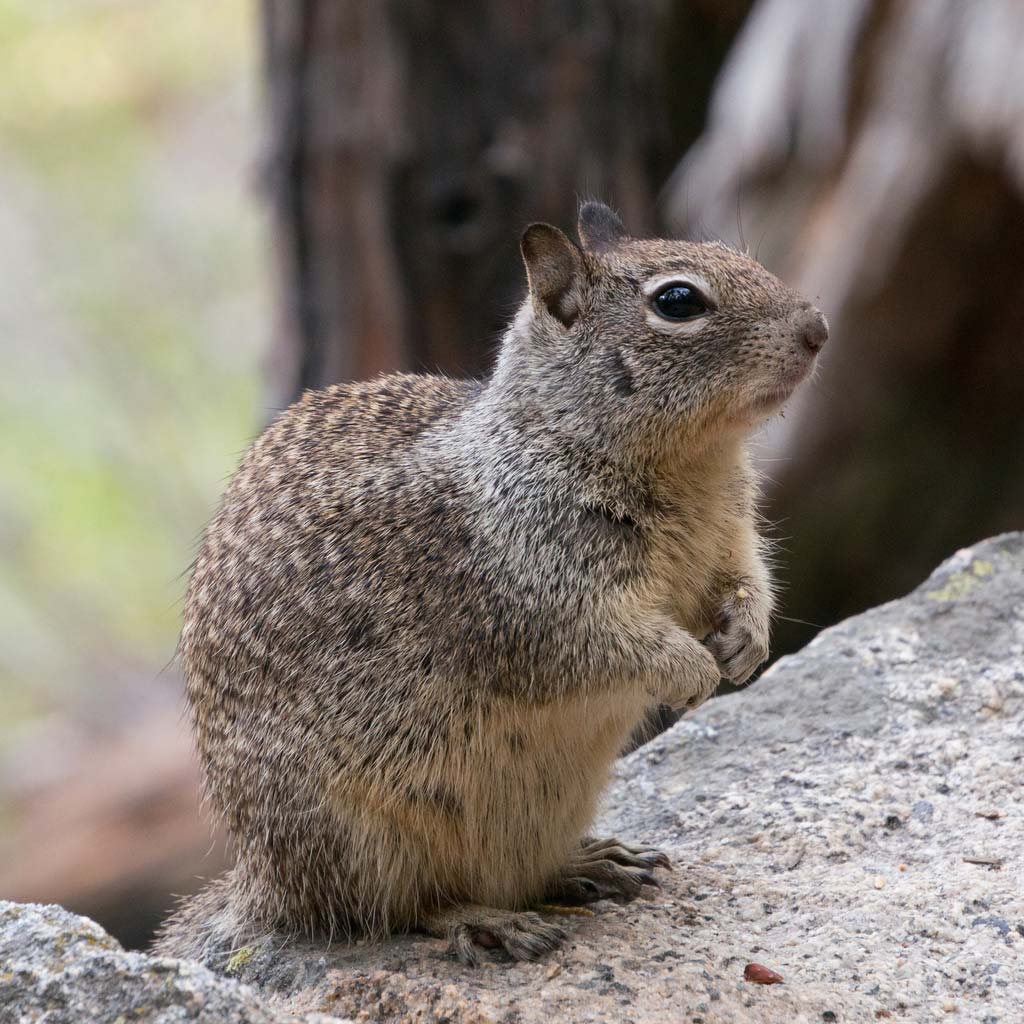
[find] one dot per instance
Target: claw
(607, 868)
(522, 935)
(461, 946)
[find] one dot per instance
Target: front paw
(696, 678)
(738, 653)
(740, 643)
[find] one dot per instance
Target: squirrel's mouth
(774, 396)
(770, 400)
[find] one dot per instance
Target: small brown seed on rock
(761, 975)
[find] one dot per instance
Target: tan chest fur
(702, 526)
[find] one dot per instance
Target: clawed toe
(529, 937)
(523, 936)
(625, 880)
(608, 867)
(573, 890)
(627, 854)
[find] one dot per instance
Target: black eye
(678, 301)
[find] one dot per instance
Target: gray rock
(58, 968)
(853, 821)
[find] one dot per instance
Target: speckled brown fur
(429, 612)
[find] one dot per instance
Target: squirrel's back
(285, 579)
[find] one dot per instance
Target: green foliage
(132, 311)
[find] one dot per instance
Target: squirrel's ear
(599, 227)
(554, 270)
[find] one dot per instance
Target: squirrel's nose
(813, 330)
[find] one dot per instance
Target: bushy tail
(211, 926)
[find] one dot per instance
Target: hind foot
(523, 935)
(606, 867)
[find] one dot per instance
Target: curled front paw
(739, 642)
(702, 682)
(739, 648)
(694, 677)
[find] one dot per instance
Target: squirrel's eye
(679, 302)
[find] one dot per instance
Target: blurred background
(205, 208)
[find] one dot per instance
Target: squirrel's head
(667, 334)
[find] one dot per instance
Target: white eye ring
(692, 325)
(678, 301)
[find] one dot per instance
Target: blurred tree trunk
(872, 154)
(410, 144)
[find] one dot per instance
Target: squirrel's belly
(493, 818)
(533, 793)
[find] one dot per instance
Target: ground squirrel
(429, 613)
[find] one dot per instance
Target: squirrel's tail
(210, 927)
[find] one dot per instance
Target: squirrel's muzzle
(813, 330)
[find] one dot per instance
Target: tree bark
(411, 142)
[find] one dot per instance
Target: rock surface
(854, 822)
(59, 968)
